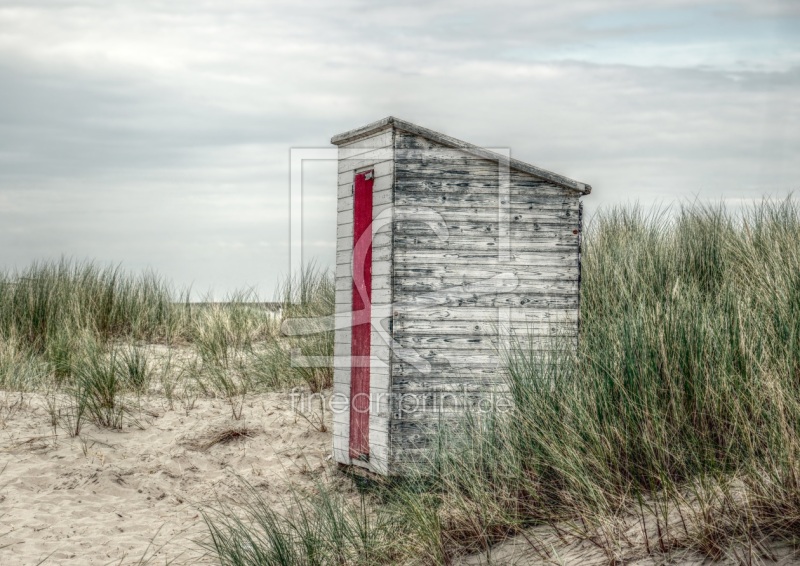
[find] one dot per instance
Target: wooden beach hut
(446, 252)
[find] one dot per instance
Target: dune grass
(687, 369)
(49, 301)
(98, 334)
(686, 373)
(682, 397)
(323, 528)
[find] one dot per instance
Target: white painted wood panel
(374, 152)
(381, 169)
(364, 160)
(381, 183)
(379, 139)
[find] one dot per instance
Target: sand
(137, 496)
(121, 497)
(623, 542)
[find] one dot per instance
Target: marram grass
(686, 382)
(63, 322)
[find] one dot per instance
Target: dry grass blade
(220, 434)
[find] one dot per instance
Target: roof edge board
(363, 131)
(369, 129)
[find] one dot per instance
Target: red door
(361, 325)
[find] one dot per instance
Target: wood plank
(466, 199)
(453, 182)
(344, 230)
(382, 238)
(379, 383)
(381, 296)
(468, 312)
(382, 268)
(343, 270)
(351, 159)
(451, 346)
(343, 335)
(473, 171)
(342, 388)
(456, 298)
(346, 256)
(476, 229)
(342, 299)
(409, 258)
(484, 271)
(515, 213)
(434, 153)
(438, 349)
(405, 376)
(382, 283)
(343, 256)
(490, 380)
(345, 189)
(434, 357)
(383, 196)
(383, 181)
(432, 242)
(345, 217)
(345, 227)
(422, 407)
(379, 139)
(381, 168)
(410, 462)
(341, 283)
(485, 327)
(527, 285)
(410, 140)
(405, 436)
(364, 161)
(344, 202)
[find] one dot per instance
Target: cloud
(157, 133)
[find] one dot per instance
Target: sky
(156, 134)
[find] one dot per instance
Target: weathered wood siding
(374, 152)
(481, 253)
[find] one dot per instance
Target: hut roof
(448, 141)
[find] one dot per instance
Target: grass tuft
(322, 529)
(674, 424)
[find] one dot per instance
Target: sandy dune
(116, 497)
(543, 546)
(135, 496)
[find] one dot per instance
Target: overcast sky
(157, 133)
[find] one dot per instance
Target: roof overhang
(447, 141)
